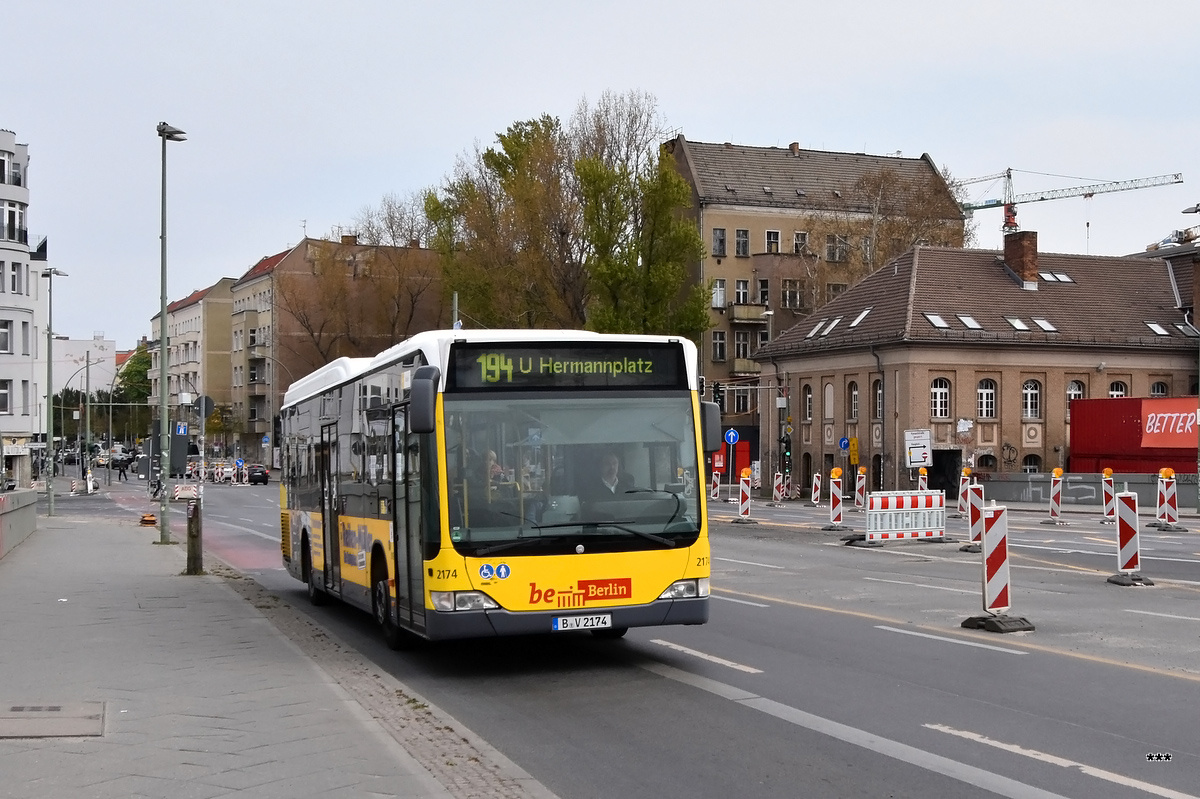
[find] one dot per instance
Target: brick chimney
(349, 239)
(1020, 254)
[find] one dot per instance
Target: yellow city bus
(471, 483)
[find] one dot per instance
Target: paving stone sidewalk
(202, 691)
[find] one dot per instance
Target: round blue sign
(731, 436)
(844, 443)
(239, 463)
(485, 571)
(502, 571)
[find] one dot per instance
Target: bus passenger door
(329, 507)
(415, 526)
(403, 566)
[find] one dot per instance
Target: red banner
(1169, 423)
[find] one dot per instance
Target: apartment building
(788, 230)
(985, 349)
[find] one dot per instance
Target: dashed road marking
(749, 563)
(740, 601)
(921, 585)
(1164, 615)
(950, 640)
(705, 656)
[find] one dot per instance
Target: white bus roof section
(435, 345)
(331, 374)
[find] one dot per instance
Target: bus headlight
(686, 589)
(462, 600)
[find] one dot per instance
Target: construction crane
(1010, 201)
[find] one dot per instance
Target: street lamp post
(166, 133)
(49, 451)
(1195, 209)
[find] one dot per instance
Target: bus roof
(435, 346)
(331, 374)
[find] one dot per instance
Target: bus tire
(381, 605)
(315, 595)
(610, 633)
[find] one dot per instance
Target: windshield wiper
(520, 542)
(658, 539)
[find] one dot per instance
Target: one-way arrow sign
(918, 448)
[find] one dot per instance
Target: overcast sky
(300, 113)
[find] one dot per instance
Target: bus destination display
(521, 366)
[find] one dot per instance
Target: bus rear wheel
(315, 595)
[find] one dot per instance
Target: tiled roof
(190, 299)
(264, 266)
(808, 179)
(1108, 302)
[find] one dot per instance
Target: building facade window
(877, 400)
(718, 294)
(1158, 389)
(1031, 400)
(6, 396)
(1117, 389)
(741, 344)
(790, 295)
(764, 338)
(742, 242)
(852, 400)
(827, 410)
(741, 400)
(837, 248)
(6, 336)
(799, 242)
(985, 393)
(939, 398)
(807, 402)
(832, 290)
(772, 241)
(741, 291)
(1032, 464)
(986, 463)
(718, 346)
(718, 242)
(764, 291)
(868, 249)
(1075, 391)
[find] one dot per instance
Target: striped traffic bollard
(787, 485)
(816, 490)
(997, 592)
(714, 490)
(777, 490)
(923, 479)
(974, 519)
(860, 491)
(1168, 507)
(743, 516)
(835, 505)
(1055, 499)
(964, 480)
(1110, 500)
(1129, 556)
(74, 486)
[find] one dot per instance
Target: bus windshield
(548, 473)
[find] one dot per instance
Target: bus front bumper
(488, 623)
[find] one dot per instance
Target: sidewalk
(177, 686)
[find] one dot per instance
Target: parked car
(257, 473)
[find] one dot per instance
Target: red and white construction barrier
(1055, 501)
(860, 492)
(923, 480)
(1167, 517)
(1129, 555)
(777, 489)
(743, 499)
(835, 505)
(816, 489)
(963, 481)
(787, 486)
(184, 491)
(997, 589)
(899, 515)
(1110, 500)
(975, 516)
(714, 489)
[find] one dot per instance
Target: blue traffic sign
(731, 436)
(181, 428)
(266, 439)
(239, 463)
(844, 443)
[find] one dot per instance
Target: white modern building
(21, 317)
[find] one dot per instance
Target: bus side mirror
(710, 426)
(422, 409)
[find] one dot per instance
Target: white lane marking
(749, 563)
(921, 585)
(706, 656)
(874, 744)
(740, 601)
(1164, 615)
(1102, 554)
(950, 640)
(1054, 760)
(241, 529)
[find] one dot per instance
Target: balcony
(14, 233)
(258, 388)
(744, 367)
(748, 314)
(256, 352)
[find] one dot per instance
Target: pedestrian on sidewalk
(121, 475)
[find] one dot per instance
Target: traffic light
(785, 445)
(719, 395)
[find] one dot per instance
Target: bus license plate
(600, 620)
